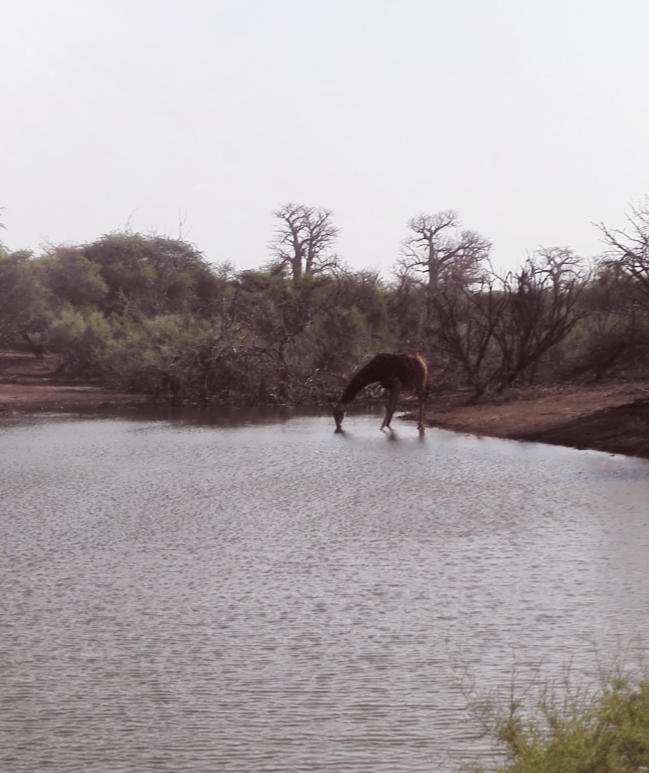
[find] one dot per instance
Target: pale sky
(529, 117)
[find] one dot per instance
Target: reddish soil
(611, 417)
(27, 384)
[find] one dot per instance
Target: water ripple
(186, 597)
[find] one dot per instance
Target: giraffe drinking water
(394, 372)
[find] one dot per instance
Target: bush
(604, 344)
(81, 337)
(605, 732)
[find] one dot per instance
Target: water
(249, 592)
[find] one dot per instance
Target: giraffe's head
(339, 415)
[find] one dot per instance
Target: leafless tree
(303, 239)
(465, 323)
(498, 329)
(628, 250)
(440, 250)
(542, 308)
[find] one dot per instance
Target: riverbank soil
(28, 384)
(611, 417)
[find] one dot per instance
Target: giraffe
(394, 372)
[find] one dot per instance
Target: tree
(303, 239)
(464, 330)
(498, 329)
(71, 277)
(19, 294)
(542, 308)
(406, 306)
(617, 330)
(438, 248)
(154, 274)
(628, 249)
(614, 334)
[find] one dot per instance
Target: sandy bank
(611, 417)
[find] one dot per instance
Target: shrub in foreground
(605, 733)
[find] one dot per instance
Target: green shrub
(81, 337)
(606, 732)
(602, 344)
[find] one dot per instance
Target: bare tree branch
(628, 250)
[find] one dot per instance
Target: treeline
(149, 314)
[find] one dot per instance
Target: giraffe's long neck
(370, 373)
(354, 387)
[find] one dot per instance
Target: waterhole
(252, 592)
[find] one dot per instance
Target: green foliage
(145, 356)
(605, 733)
(81, 336)
(72, 278)
(155, 274)
(22, 298)
(341, 338)
(148, 313)
(605, 342)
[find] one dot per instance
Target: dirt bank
(29, 385)
(611, 417)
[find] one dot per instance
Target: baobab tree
(440, 250)
(303, 239)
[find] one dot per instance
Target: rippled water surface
(254, 593)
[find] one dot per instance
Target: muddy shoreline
(611, 417)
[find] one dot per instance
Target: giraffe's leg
(392, 404)
(422, 410)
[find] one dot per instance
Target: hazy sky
(529, 117)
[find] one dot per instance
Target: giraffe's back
(408, 370)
